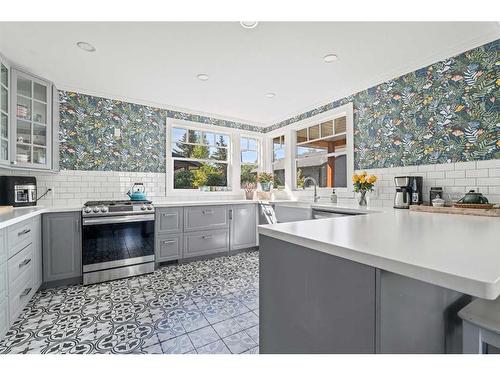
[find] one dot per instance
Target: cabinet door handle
(208, 212)
(168, 214)
(24, 262)
(206, 237)
(230, 214)
(23, 232)
(166, 242)
(25, 292)
(77, 226)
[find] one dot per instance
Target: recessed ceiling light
(249, 24)
(86, 46)
(270, 95)
(330, 58)
(202, 77)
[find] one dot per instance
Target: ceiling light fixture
(87, 47)
(330, 58)
(202, 77)
(270, 95)
(249, 24)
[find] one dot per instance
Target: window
(200, 159)
(279, 161)
(321, 154)
(249, 160)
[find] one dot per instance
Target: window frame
(258, 165)
(170, 160)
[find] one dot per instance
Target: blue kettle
(137, 192)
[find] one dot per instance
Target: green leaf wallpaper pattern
(446, 112)
(87, 135)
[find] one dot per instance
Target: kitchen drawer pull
(209, 212)
(206, 237)
(26, 292)
(168, 214)
(166, 242)
(24, 262)
(23, 232)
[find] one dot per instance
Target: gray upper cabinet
(31, 121)
(169, 220)
(205, 217)
(62, 252)
(4, 110)
(243, 226)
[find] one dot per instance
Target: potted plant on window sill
(266, 181)
(363, 183)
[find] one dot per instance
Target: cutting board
(491, 212)
(5, 209)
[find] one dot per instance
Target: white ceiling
(157, 63)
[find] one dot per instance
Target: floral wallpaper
(88, 141)
(446, 112)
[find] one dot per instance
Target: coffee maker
(408, 191)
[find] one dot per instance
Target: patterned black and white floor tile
(208, 306)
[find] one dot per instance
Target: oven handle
(118, 219)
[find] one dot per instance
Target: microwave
(17, 191)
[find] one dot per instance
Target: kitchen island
(388, 281)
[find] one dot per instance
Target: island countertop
(457, 252)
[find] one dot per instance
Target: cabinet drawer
(205, 217)
(169, 220)
(19, 235)
(20, 264)
(168, 248)
(4, 280)
(3, 246)
(4, 318)
(20, 294)
(205, 242)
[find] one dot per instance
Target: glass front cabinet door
(4, 110)
(31, 121)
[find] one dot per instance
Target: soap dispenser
(333, 197)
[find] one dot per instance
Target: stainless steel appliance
(408, 191)
(117, 240)
(17, 191)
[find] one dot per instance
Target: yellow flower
(372, 179)
(362, 179)
(355, 178)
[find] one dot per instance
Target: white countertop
(19, 214)
(453, 251)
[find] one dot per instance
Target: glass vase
(362, 198)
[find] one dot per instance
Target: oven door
(117, 241)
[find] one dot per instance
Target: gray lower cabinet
(37, 260)
(62, 251)
(206, 242)
(168, 247)
(243, 218)
(169, 220)
(205, 218)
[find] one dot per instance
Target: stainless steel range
(117, 240)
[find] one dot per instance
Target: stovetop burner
(116, 203)
(118, 207)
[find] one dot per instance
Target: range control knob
(96, 209)
(150, 207)
(104, 209)
(143, 207)
(87, 209)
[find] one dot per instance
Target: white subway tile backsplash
(435, 175)
(465, 165)
(494, 172)
(493, 163)
(476, 173)
(427, 168)
(455, 174)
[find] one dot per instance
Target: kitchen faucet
(306, 180)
